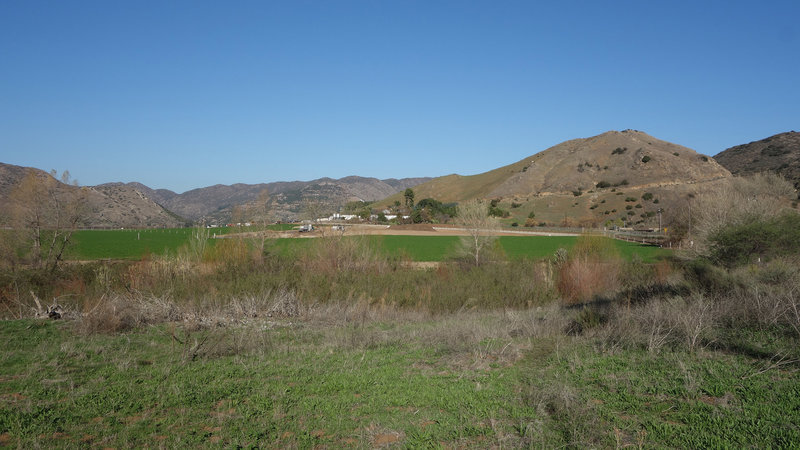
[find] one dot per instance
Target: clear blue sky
(181, 95)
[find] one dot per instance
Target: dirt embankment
(388, 230)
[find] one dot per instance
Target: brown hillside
(779, 153)
(108, 205)
(614, 157)
(587, 181)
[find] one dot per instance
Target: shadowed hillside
(779, 153)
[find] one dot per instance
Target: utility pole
(660, 228)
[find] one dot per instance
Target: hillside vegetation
(776, 154)
(588, 182)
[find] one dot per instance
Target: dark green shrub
(758, 239)
(646, 159)
(590, 318)
(708, 277)
(498, 212)
(603, 185)
(647, 196)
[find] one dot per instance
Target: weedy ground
(369, 376)
(340, 346)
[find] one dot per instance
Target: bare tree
(47, 212)
(737, 201)
(473, 215)
(263, 204)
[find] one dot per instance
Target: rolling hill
(587, 181)
(779, 153)
(111, 206)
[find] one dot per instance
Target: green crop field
(126, 244)
(438, 248)
(134, 244)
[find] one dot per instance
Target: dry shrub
(232, 252)
(120, 313)
(159, 271)
(465, 339)
(767, 296)
(581, 279)
(592, 267)
(735, 202)
(333, 255)
(361, 311)
(271, 303)
(663, 272)
(671, 322)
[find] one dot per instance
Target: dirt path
(392, 230)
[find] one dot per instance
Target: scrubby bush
(757, 239)
(592, 268)
(733, 202)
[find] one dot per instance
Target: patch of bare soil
(413, 227)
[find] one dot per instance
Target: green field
(127, 244)
(459, 381)
(438, 248)
(134, 244)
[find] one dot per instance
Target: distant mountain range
(215, 204)
(618, 176)
(137, 205)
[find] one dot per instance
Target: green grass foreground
(367, 384)
(137, 244)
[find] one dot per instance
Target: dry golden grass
(592, 268)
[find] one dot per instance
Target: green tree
(409, 196)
